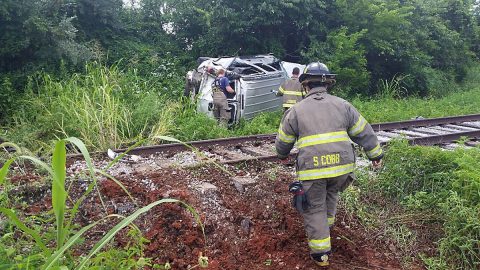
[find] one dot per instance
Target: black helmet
(317, 72)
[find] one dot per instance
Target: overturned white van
(255, 80)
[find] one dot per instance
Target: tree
(344, 56)
(34, 35)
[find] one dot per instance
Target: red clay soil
(253, 229)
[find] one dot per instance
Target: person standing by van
(291, 90)
(220, 90)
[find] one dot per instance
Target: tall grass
(443, 186)
(105, 107)
(112, 108)
(391, 109)
(393, 88)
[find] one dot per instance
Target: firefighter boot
(320, 259)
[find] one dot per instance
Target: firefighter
(322, 125)
(291, 90)
(220, 90)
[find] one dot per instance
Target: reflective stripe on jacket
(322, 126)
(292, 92)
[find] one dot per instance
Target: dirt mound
(248, 219)
(248, 227)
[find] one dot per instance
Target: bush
(8, 98)
(262, 124)
(106, 107)
(445, 184)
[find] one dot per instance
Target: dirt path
(247, 225)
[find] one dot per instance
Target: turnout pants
(320, 216)
(220, 107)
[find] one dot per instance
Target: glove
(300, 199)
(377, 164)
(286, 160)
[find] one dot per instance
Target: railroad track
(438, 131)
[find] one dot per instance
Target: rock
(124, 208)
(135, 158)
(241, 182)
(206, 187)
(245, 225)
(143, 169)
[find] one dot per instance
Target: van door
(234, 103)
(240, 98)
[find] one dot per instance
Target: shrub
(445, 184)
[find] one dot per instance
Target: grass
(429, 190)
(391, 109)
(113, 108)
(46, 256)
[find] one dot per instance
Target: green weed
(389, 109)
(437, 187)
(393, 88)
(46, 257)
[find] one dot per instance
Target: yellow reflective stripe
(281, 90)
(375, 152)
(291, 101)
(338, 136)
(320, 244)
(293, 93)
(287, 105)
(284, 137)
(358, 127)
(331, 220)
(325, 172)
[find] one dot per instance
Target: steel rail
(205, 144)
(445, 138)
(239, 141)
(208, 144)
(428, 140)
(425, 122)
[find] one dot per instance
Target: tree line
(427, 43)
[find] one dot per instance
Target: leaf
(100, 244)
(59, 195)
(13, 217)
(9, 144)
(83, 149)
(86, 155)
(59, 253)
(40, 163)
(170, 139)
(4, 170)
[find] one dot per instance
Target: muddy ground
(248, 219)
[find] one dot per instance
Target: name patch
(330, 159)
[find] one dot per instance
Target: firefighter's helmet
(317, 72)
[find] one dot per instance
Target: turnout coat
(323, 126)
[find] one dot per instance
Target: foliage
(348, 60)
(445, 184)
(391, 89)
(7, 97)
(363, 41)
(111, 108)
(390, 109)
(106, 107)
(264, 123)
(48, 257)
